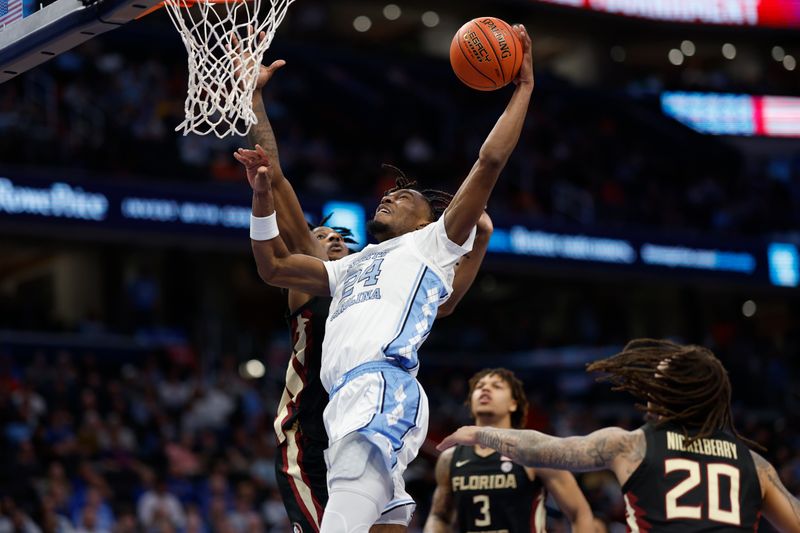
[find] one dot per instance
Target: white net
(225, 50)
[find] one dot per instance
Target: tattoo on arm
(596, 451)
(261, 132)
(767, 473)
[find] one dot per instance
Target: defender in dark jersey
(687, 470)
(709, 484)
(479, 489)
(300, 464)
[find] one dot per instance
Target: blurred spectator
(14, 519)
(158, 510)
(244, 518)
(91, 512)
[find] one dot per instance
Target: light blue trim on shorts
(366, 368)
(398, 408)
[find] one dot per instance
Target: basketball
(486, 53)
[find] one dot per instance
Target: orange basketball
(486, 53)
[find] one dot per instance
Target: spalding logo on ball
(486, 53)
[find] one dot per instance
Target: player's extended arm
(570, 499)
(468, 266)
(441, 517)
(779, 506)
(276, 265)
(292, 222)
(469, 202)
(608, 448)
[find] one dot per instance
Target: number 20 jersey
(385, 299)
(709, 484)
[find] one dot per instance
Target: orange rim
(185, 4)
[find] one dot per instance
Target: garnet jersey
(304, 399)
(493, 494)
(710, 484)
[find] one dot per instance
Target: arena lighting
(362, 23)
(784, 264)
(348, 215)
(688, 48)
(252, 369)
(186, 212)
(675, 57)
(392, 11)
(778, 53)
(697, 258)
(728, 51)
(775, 13)
(211, 216)
(749, 308)
(735, 114)
(789, 62)
(59, 200)
(430, 19)
(522, 241)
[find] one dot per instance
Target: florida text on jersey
(493, 495)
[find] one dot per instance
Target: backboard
(58, 27)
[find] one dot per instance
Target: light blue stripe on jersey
(417, 321)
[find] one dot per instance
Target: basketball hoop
(222, 39)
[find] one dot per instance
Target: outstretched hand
(265, 73)
(252, 159)
(256, 164)
(243, 59)
(525, 75)
(466, 436)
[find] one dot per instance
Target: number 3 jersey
(709, 484)
(492, 494)
(385, 300)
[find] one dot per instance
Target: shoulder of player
(632, 444)
(767, 475)
(622, 451)
(443, 463)
(431, 227)
(617, 441)
(617, 447)
(446, 457)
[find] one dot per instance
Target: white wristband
(263, 228)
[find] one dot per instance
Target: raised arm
(609, 448)
(292, 222)
(779, 507)
(570, 499)
(276, 265)
(468, 266)
(442, 515)
(471, 198)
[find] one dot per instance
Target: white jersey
(385, 299)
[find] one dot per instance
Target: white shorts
(386, 405)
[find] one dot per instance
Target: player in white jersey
(384, 302)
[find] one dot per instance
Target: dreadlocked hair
(518, 417)
(346, 233)
(437, 200)
(683, 384)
